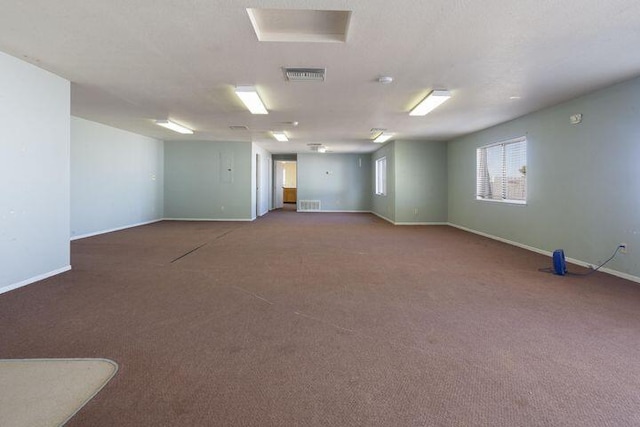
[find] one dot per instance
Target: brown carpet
(333, 319)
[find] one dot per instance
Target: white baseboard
(420, 223)
(111, 230)
(209, 219)
(382, 217)
(548, 253)
(408, 223)
(34, 279)
(336, 211)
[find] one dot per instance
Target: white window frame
(381, 177)
(482, 186)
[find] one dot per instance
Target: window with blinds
(501, 173)
(381, 176)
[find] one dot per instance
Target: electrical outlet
(623, 248)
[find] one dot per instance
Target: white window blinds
(501, 173)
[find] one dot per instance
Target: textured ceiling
(131, 62)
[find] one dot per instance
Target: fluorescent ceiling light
(174, 127)
(383, 137)
(251, 99)
(280, 136)
(433, 100)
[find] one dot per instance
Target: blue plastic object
(559, 264)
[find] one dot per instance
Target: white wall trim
(124, 227)
(335, 211)
(383, 217)
(209, 219)
(34, 279)
(421, 223)
(549, 253)
(408, 223)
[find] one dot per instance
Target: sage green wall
(385, 206)
(420, 182)
(198, 184)
(583, 180)
(416, 182)
(340, 181)
(116, 178)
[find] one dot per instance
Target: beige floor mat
(48, 392)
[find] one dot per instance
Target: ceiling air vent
(238, 127)
(305, 74)
(318, 148)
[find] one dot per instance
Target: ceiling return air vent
(317, 148)
(305, 74)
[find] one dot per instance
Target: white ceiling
(131, 62)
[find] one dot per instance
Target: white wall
(34, 173)
(290, 174)
(116, 178)
(583, 181)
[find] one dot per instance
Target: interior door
(278, 183)
(257, 185)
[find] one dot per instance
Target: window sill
(503, 202)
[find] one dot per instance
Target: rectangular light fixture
(382, 137)
(430, 102)
(174, 127)
(249, 96)
(280, 136)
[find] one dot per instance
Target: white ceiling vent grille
(305, 74)
(318, 148)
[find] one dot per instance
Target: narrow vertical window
(381, 176)
(501, 172)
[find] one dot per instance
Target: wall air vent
(305, 74)
(309, 206)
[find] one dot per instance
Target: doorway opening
(285, 185)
